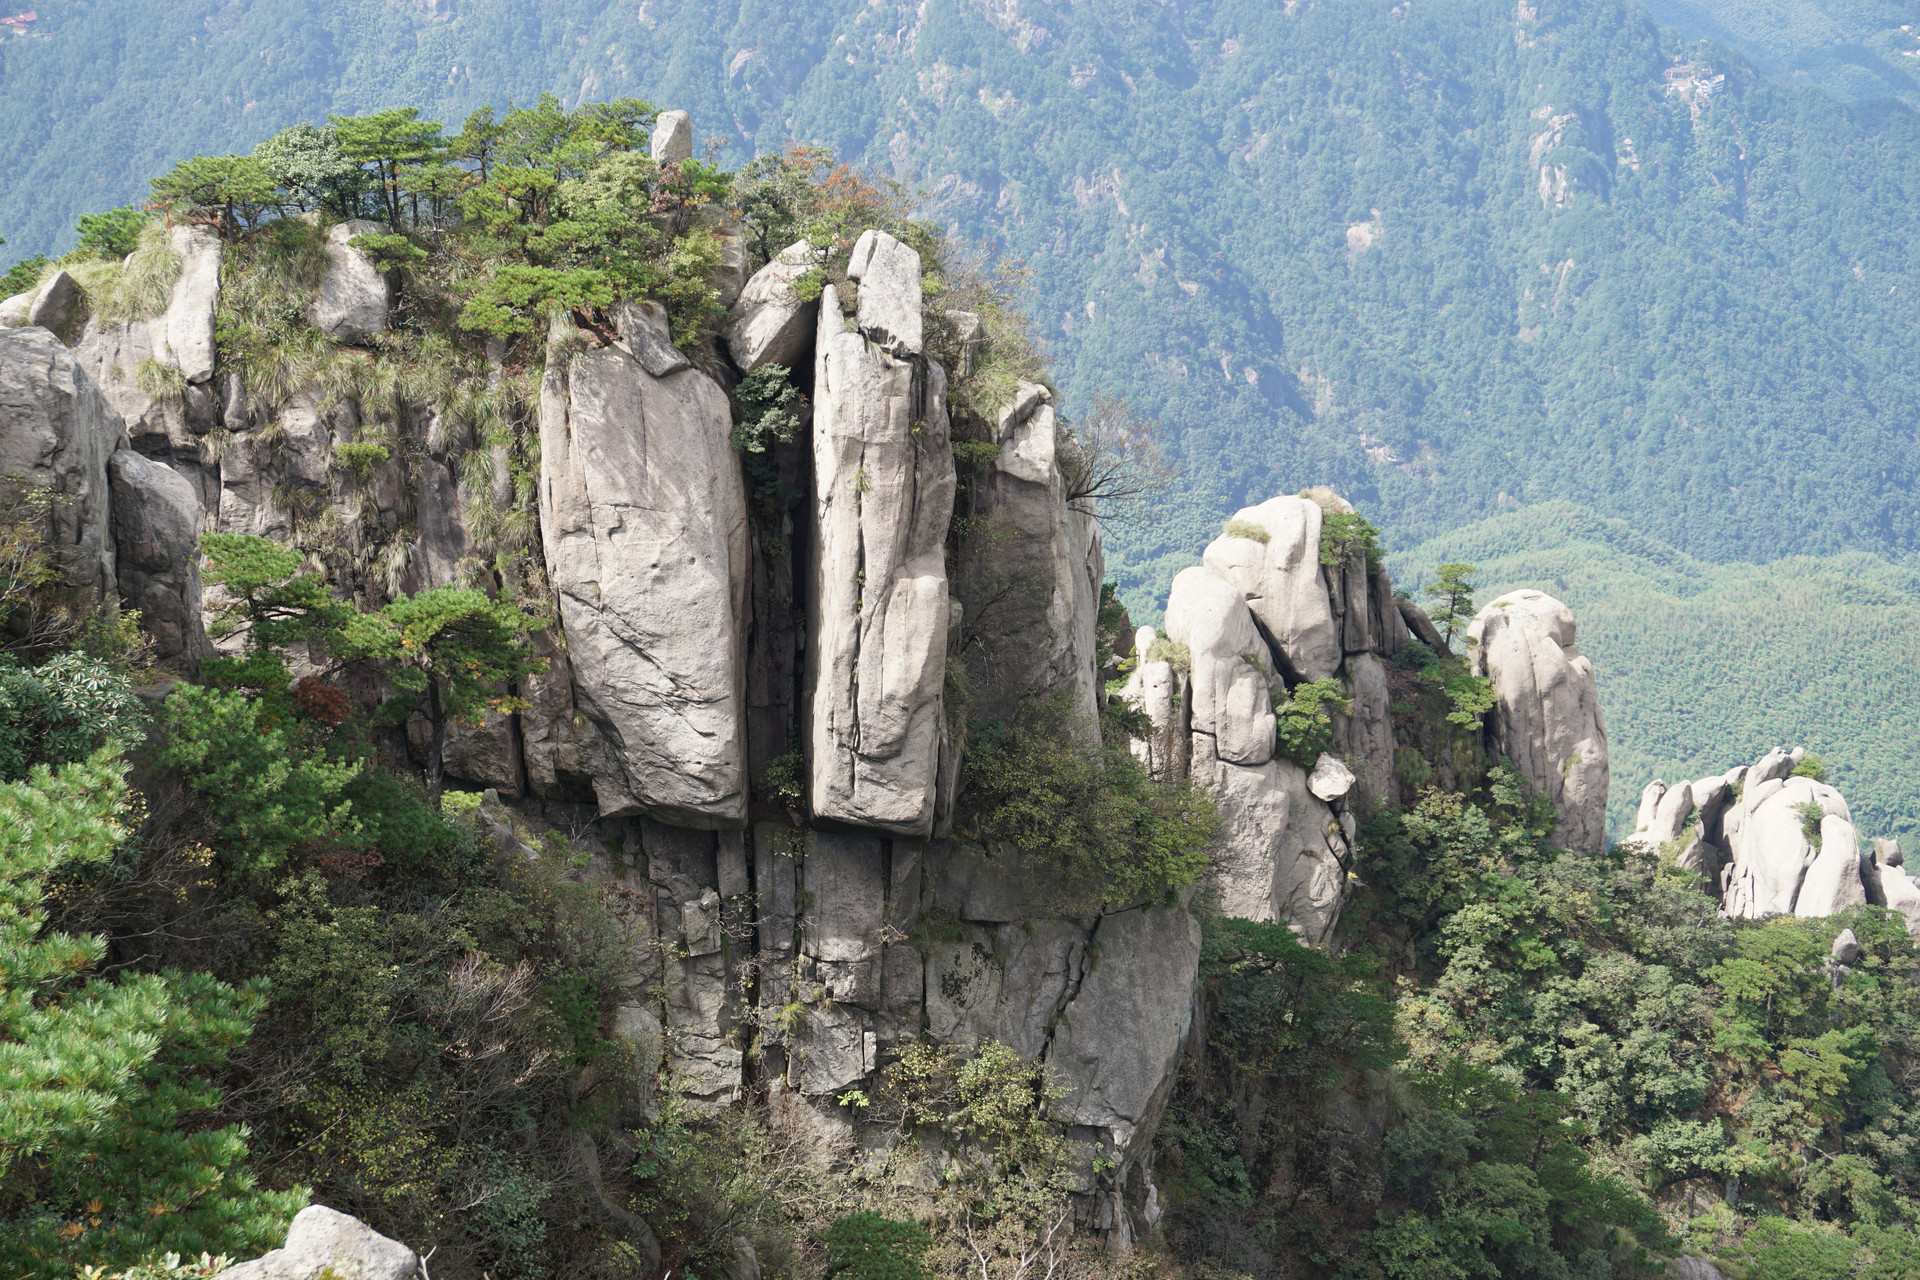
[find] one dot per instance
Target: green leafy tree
(872, 1246)
(1453, 591)
(62, 711)
(457, 648)
(1303, 726)
(101, 1080)
(308, 161)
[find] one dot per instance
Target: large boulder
(672, 137)
(1031, 580)
(1547, 720)
(877, 650)
(1780, 863)
(185, 337)
(770, 323)
(643, 521)
(1232, 685)
(156, 531)
(354, 296)
(54, 305)
(1281, 853)
(1281, 580)
(888, 309)
(57, 432)
(326, 1241)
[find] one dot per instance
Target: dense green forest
(1848, 48)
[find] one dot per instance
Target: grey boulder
(672, 137)
(354, 297)
(1281, 581)
(1231, 695)
(889, 308)
(770, 323)
(326, 1240)
(1547, 719)
(57, 432)
(156, 529)
(54, 304)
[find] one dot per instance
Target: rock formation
(323, 1241)
(1547, 720)
(353, 300)
(643, 522)
(884, 480)
(156, 527)
(1773, 842)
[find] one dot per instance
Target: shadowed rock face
(156, 525)
(1547, 720)
(643, 521)
(57, 432)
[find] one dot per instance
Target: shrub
(1810, 767)
(360, 459)
(62, 711)
(1052, 790)
(23, 275)
(1342, 534)
(1302, 726)
(113, 234)
(868, 1246)
(1248, 529)
(1177, 656)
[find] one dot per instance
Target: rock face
(1548, 716)
(185, 331)
(643, 521)
(770, 323)
(877, 652)
(1231, 683)
(672, 137)
(57, 432)
(156, 528)
(1282, 583)
(323, 1239)
(1031, 586)
(353, 301)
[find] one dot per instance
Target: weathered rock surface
(770, 323)
(1231, 683)
(323, 1239)
(1548, 717)
(354, 297)
(888, 310)
(877, 649)
(643, 520)
(1281, 581)
(57, 432)
(185, 337)
(156, 530)
(1031, 585)
(1281, 853)
(672, 137)
(53, 306)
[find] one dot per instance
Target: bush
(1810, 767)
(1248, 529)
(1084, 808)
(868, 1246)
(1343, 533)
(1302, 727)
(62, 711)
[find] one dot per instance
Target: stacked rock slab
(1547, 719)
(884, 484)
(643, 524)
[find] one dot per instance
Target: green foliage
(1303, 719)
(308, 163)
(111, 235)
(24, 275)
(1176, 655)
(389, 252)
(771, 413)
(228, 193)
(1344, 534)
(871, 1246)
(62, 711)
(104, 1157)
(1452, 591)
(1810, 767)
(786, 779)
(1811, 815)
(360, 458)
(1051, 789)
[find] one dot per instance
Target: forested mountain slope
(1448, 259)
(1701, 663)
(1850, 48)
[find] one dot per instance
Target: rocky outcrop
(1547, 719)
(877, 648)
(1281, 580)
(1030, 581)
(352, 303)
(184, 332)
(672, 137)
(56, 433)
(157, 371)
(55, 304)
(770, 323)
(326, 1241)
(1232, 685)
(156, 529)
(1773, 843)
(643, 523)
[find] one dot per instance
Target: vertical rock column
(1548, 718)
(643, 520)
(884, 483)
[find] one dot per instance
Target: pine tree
(97, 1075)
(1454, 594)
